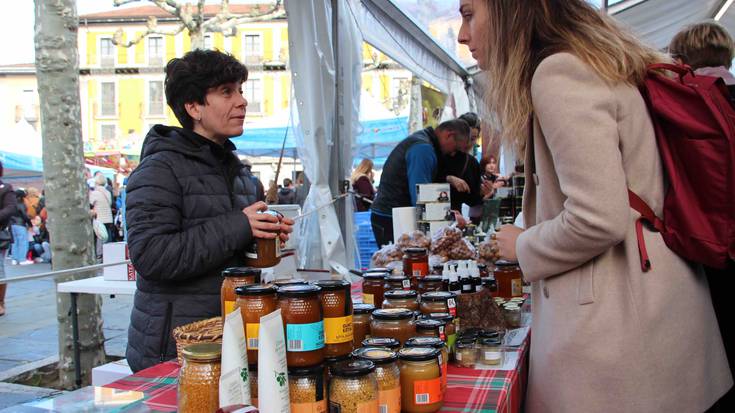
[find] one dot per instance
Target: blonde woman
(606, 336)
(362, 184)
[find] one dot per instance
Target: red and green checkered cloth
(468, 390)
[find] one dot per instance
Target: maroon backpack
(694, 123)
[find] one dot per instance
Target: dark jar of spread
(436, 343)
(439, 302)
(430, 283)
(385, 342)
(264, 252)
(394, 323)
(373, 288)
(338, 324)
(421, 378)
(401, 299)
(396, 282)
(235, 277)
(361, 323)
(303, 321)
(389, 377)
(415, 262)
(431, 328)
(255, 301)
(509, 278)
(307, 389)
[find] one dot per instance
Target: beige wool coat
(607, 337)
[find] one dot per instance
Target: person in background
(287, 194)
(708, 49)
(362, 184)
(32, 201)
(19, 224)
(415, 160)
(101, 201)
(260, 191)
(607, 336)
(39, 241)
(8, 209)
(302, 188)
(491, 178)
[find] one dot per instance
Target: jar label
(316, 407)
(406, 284)
(305, 337)
(338, 330)
(427, 391)
(229, 307)
(368, 298)
(493, 355)
(452, 306)
(517, 287)
(441, 333)
(420, 268)
(251, 334)
(389, 401)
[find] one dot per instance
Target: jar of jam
(361, 323)
(465, 353)
(430, 283)
(265, 252)
(509, 278)
(394, 323)
(421, 390)
(337, 308)
(373, 288)
(415, 262)
(235, 277)
(307, 389)
(401, 299)
(353, 387)
(436, 343)
(388, 374)
(431, 328)
(384, 342)
(490, 352)
(199, 378)
(255, 301)
(439, 302)
(303, 320)
(396, 282)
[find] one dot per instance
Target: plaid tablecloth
(468, 390)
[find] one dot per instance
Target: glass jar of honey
(415, 262)
(255, 301)
(394, 323)
(337, 307)
(401, 299)
(303, 320)
(235, 277)
(420, 380)
(429, 283)
(449, 328)
(509, 278)
(199, 378)
(307, 389)
(373, 288)
(396, 282)
(389, 377)
(384, 342)
(439, 302)
(265, 252)
(361, 323)
(436, 343)
(431, 328)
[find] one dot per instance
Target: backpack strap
(647, 215)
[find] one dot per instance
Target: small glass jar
(353, 387)
(388, 374)
(512, 315)
(394, 323)
(407, 299)
(301, 310)
(439, 302)
(421, 390)
(307, 389)
(431, 328)
(384, 342)
(491, 352)
(415, 262)
(373, 288)
(493, 334)
(235, 277)
(510, 279)
(255, 301)
(436, 343)
(264, 252)
(465, 353)
(396, 282)
(361, 323)
(337, 307)
(429, 283)
(198, 389)
(253, 370)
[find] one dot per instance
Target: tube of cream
(272, 370)
(234, 383)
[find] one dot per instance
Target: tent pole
(337, 172)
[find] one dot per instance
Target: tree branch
(151, 28)
(121, 2)
(226, 22)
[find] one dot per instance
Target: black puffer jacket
(185, 225)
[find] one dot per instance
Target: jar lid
(374, 275)
(464, 344)
(400, 294)
(361, 308)
(332, 285)
(241, 272)
(489, 281)
(481, 266)
(435, 296)
(506, 263)
(378, 355)
(490, 334)
(289, 281)
(418, 353)
(336, 359)
(352, 368)
(298, 290)
(387, 342)
(394, 277)
(446, 317)
(439, 267)
(306, 371)
(431, 278)
(429, 324)
(392, 314)
(511, 306)
(377, 269)
(471, 331)
(494, 342)
(415, 250)
(433, 342)
(203, 352)
(255, 289)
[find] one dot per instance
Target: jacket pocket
(586, 284)
(166, 332)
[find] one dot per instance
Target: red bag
(694, 123)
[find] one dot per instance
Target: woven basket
(204, 331)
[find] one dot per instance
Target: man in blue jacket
(415, 160)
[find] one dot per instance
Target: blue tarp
(21, 162)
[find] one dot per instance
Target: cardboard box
(117, 252)
(107, 373)
(434, 211)
(426, 193)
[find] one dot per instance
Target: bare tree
(67, 199)
(192, 18)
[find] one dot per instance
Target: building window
(253, 92)
(155, 97)
(155, 50)
(252, 49)
(107, 99)
(107, 133)
(107, 52)
(208, 42)
(30, 107)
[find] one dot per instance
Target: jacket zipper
(166, 333)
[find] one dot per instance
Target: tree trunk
(67, 198)
(197, 39)
(415, 117)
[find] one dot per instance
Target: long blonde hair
(520, 34)
(365, 168)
